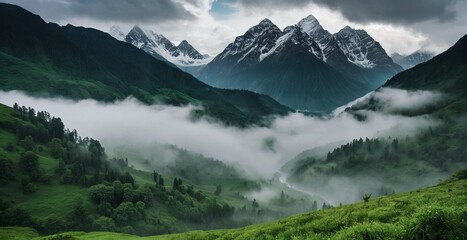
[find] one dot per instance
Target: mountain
(284, 65)
(408, 61)
(265, 60)
(117, 33)
(78, 63)
(432, 152)
(184, 55)
(446, 72)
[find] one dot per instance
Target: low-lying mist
(258, 151)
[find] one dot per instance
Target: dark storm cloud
(114, 10)
(363, 11)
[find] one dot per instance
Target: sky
(210, 25)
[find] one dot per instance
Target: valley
(297, 129)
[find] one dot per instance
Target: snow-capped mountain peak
(186, 49)
(162, 48)
(415, 58)
(360, 48)
(259, 38)
(310, 26)
(138, 37)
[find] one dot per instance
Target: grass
(437, 212)
(18, 233)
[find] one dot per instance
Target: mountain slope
(264, 60)
(436, 212)
(280, 64)
(184, 55)
(77, 62)
(445, 72)
(412, 59)
(418, 159)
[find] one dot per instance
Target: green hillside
(78, 63)
(53, 180)
(437, 212)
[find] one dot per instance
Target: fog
(258, 151)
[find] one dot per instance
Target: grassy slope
(381, 218)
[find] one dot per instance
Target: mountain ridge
(79, 63)
(157, 45)
(241, 64)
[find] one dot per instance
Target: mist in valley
(258, 152)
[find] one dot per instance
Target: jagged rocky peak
(259, 37)
(187, 49)
(266, 22)
(311, 26)
(264, 25)
(138, 37)
(360, 48)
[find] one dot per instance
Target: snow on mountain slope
(117, 33)
(257, 40)
(360, 48)
(413, 59)
(159, 46)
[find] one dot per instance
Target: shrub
(104, 224)
(54, 224)
(29, 163)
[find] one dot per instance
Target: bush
(101, 193)
(126, 212)
(16, 217)
(28, 187)
(436, 223)
(6, 170)
(9, 147)
(104, 224)
(54, 224)
(29, 163)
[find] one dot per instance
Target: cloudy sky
(209, 25)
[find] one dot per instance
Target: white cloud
(258, 151)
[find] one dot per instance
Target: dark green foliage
(15, 216)
(126, 212)
(27, 143)
(6, 170)
(101, 193)
(54, 224)
(27, 186)
(104, 224)
(78, 218)
(97, 153)
(29, 163)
